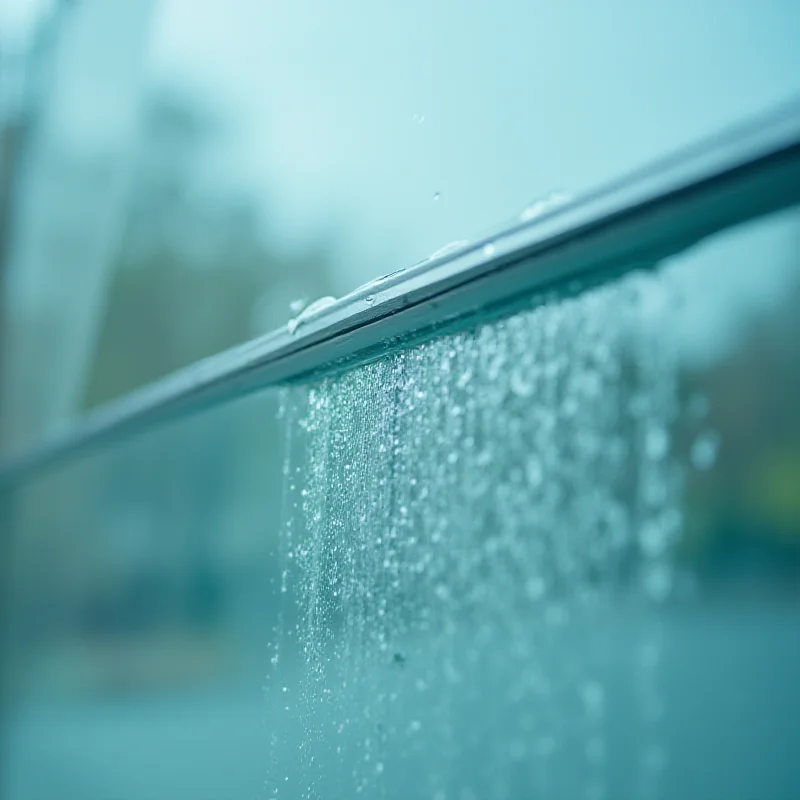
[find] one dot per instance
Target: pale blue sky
(518, 98)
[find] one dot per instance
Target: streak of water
(467, 510)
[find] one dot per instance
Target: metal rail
(742, 174)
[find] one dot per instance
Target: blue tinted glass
(552, 556)
(387, 130)
(221, 164)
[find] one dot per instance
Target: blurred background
(176, 173)
(179, 176)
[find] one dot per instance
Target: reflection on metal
(737, 176)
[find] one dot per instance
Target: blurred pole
(16, 98)
(67, 210)
(68, 110)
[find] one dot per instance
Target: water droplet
(534, 471)
(521, 384)
(705, 449)
(308, 312)
(296, 306)
(437, 195)
(658, 581)
(379, 767)
(653, 538)
(464, 379)
(543, 205)
(535, 588)
(656, 442)
(531, 212)
(594, 698)
(489, 249)
(446, 250)
(415, 726)
(484, 458)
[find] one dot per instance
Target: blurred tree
(195, 265)
(743, 516)
(193, 270)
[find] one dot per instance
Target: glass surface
(557, 555)
(220, 164)
(387, 130)
(142, 582)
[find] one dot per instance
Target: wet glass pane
(142, 584)
(219, 165)
(556, 555)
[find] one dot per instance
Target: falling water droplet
(658, 581)
(520, 383)
(594, 698)
(534, 471)
(656, 442)
(705, 449)
(535, 588)
(437, 195)
(654, 539)
(464, 379)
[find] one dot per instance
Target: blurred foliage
(744, 514)
(195, 265)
